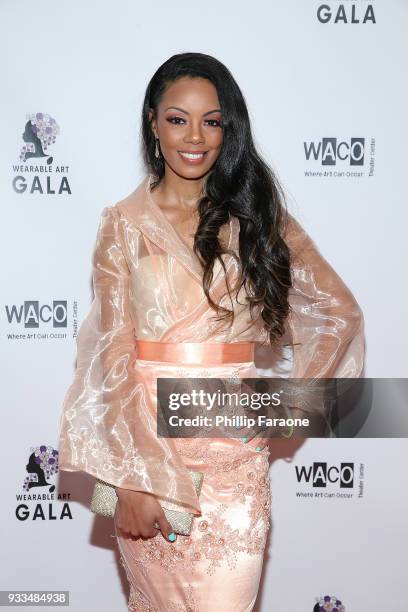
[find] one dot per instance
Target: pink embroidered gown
(147, 285)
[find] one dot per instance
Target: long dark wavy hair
(241, 184)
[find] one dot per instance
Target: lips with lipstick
(193, 157)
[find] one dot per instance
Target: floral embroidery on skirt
(230, 535)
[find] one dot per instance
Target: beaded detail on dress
(214, 541)
(138, 602)
(191, 604)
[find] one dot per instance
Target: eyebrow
(216, 110)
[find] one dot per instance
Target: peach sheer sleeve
(108, 421)
(325, 326)
(325, 321)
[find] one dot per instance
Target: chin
(195, 172)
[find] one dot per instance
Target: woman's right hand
(137, 511)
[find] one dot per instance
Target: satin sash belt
(200, 353)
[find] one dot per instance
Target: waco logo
(32, 313)
(331, 151)
(319, 474)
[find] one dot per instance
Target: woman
(190, 270)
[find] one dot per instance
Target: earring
(157, 152)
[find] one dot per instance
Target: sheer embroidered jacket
(147, 285)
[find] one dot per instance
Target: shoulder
(125, 213)
(132, 205)
(123, 218)
(293, 232)
(108, 221)
(296, 237)
(119, 222)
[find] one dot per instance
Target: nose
(194, 133)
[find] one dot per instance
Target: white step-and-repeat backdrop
(323, 82)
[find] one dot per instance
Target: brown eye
(215, 122)
(174, 120)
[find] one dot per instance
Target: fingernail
(258, 448)
(172, 537)
(244, 439)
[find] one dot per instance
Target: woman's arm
(325, 321)
(108, 425)
(327, 328)
(94, 405)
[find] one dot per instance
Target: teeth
(192, 155)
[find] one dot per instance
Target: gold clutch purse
(104, 501)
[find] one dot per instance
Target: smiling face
(189, 127)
